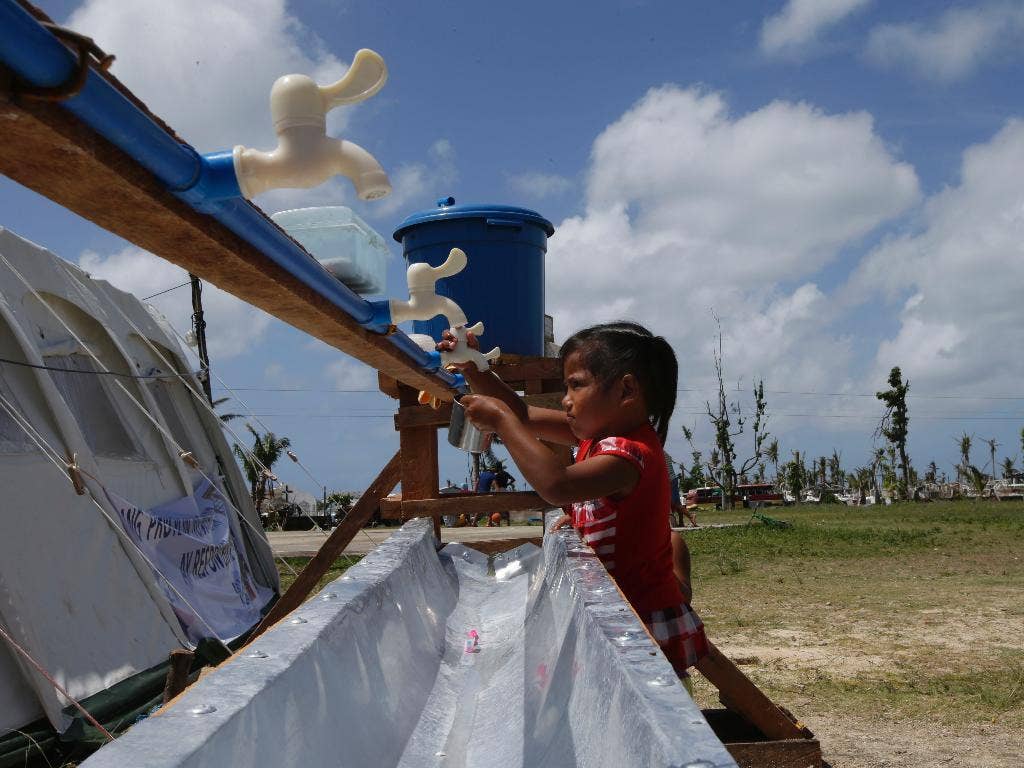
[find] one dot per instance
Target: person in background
(679, 508)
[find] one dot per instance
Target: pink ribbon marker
(473, 642)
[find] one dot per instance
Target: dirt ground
(912, 658)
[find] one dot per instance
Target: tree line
(888, 466)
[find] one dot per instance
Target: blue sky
(837, 180)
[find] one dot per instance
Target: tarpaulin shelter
(89, 377)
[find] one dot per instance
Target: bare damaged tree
(895, 423)
(724, 471)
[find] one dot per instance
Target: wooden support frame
(739, 693)
(751, 749)
(340, 538)
(400, 508)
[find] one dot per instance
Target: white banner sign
(191, 543)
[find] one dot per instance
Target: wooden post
(177, 673)
(739, 693)
(418, 449)
(340, 538)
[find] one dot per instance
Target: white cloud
(233, 327)
(347, 373)
(952, 46)
(416, 186)
(534, 185)
(963, 269)
(206, 66)
(800, 23)
(689, 209)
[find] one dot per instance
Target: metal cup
(461, 432)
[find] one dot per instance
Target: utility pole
(199, 328)
(992, 445)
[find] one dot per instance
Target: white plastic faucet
(424, 304)
(305, 155)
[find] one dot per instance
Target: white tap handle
(463, 353)
(455, 263)
(364, 78)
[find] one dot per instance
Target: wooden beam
(545, 400)
(387, 385)
(340, 538)
(739, 693)
(520, 368)
(409, 416)
(48, 150)
(393, 508)
(418, 446)
(495, 546)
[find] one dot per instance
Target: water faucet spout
(305, 155)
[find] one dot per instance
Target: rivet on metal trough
(258, 655)
(329, 596)
(202, 709)
(662, 680)
(298, 620)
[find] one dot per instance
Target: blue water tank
(503, 283)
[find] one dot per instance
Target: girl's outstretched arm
(546, 423)
(557, 484)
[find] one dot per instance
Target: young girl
(620, 391)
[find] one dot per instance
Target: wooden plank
(750, 748)
(387, 385)
(521, 368)
(739, 693)
(545, 400)
(46, 149)
(409, 416)
(471, 503)
(418, 446)
(495, 546)
(335, 544)
(791, 753)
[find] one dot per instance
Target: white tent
(85, 371)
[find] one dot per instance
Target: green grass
(296, 564)
(914, 610)
(987, 694)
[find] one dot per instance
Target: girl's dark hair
(612, 350)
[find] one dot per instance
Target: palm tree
(225, 417)
(977, 479)
(965, 455)
(259, 463)
(835, 468)
(772, 454)
(931, 476)
(1009, 471)
(877, 463)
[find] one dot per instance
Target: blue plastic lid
(447, 211)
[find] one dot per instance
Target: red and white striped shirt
(631, 535)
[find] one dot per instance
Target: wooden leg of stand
(741, 695)
(177, 673)
(340, 538)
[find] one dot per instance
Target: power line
(809, 393)
(866, 417)
(166, 290)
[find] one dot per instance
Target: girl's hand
(485, 413)
(448, 343)
(561, 522)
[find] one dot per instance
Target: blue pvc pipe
(207, 184)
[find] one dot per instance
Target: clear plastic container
(346, 245)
